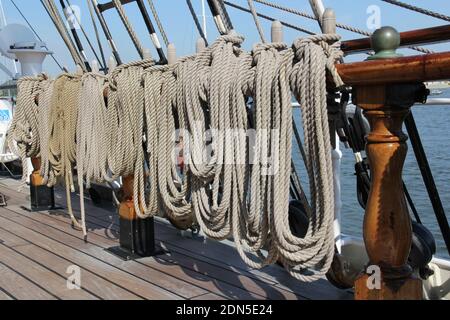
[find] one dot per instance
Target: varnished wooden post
(387, 225)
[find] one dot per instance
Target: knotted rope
(313, 57)
(23, 135)
(229, 113)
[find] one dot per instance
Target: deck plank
(208, 296)
(73, 238)
(175, 272)
(21, 288)
(187, 265)
(124, 279)
(43, 277)
(211, 251)
(5, 296)
(212, 266)
(89, 281)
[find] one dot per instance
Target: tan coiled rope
(23, 134)
(92, 134)
(62, 146)
(228, 185)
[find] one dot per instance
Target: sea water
(433, 123)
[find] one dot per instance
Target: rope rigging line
(158, 22)
(252, 8)
(97, 35)
(228, 113)
(284, 23)
(55, 16)
(430, 13)
(123, 16)
(312, 17)
(87, 37)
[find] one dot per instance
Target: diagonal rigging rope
(88, 40)
(55, 16)
(97, 35)
(427, 12)
(158, 22)
(252, 8)
(196, 21)
(284, 23)
(123, 16)
(339, 25)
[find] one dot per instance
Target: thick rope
(252, 8)
(54, 14)
(23, 135)
(123, 16)
(314, 57)
(92, 134)
(200, 30)
(427, 12)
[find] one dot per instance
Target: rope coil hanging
(230, 183)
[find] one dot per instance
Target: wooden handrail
(421, 68)
(408, 38)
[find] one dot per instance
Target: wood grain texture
(387, 225)
(408, 38)
(192, 269)
(420, 68)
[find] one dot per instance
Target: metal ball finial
(385, 41)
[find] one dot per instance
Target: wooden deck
(37, 248)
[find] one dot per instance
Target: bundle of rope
(229, 113)
(314, 56)
(62, 134)
(23, 136)
(126, 123)
(91, 134)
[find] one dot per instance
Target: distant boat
(437, 85)
(436, 92)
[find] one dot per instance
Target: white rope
(54, 14)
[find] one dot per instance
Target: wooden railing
(386, 89)
(408, 38)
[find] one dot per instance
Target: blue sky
(181, 30)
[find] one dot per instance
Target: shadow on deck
(38, 249)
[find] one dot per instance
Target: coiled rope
(92, 134)
(54, 14)
(23, 135)
(232, 182)
(126, 22)
(427, 12)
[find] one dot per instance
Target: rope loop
(329, 47)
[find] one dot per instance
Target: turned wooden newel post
(387, 225)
